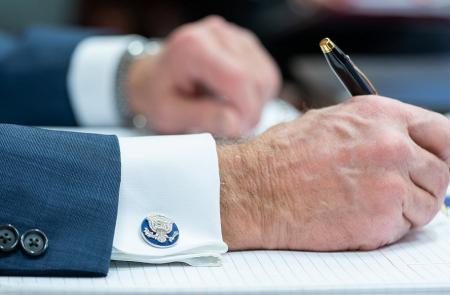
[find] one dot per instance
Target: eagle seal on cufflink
(159, 231)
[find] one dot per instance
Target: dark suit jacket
(65, 184)
(33, 76)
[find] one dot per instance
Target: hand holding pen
(353, 79)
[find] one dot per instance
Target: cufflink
(34, 242)
(9, 238)
(159, 231)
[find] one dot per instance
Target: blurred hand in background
(210, 76)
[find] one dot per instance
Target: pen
(347, 72)
(354, 80)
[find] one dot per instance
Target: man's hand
(354, 176)
(210, 76)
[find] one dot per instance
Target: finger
(429, 173)
(419, 207)
(246, 52)
(220, 30)
(227, 79)
(428, 129)
(403, 227)
(208, 114)
(244, 46)
(267, 71)
(203, 61)
(431, 131)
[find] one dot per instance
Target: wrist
(241, 206)
(140, 72)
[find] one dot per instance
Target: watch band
(138, 47)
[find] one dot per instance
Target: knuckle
(392, 148)
(249, 35)
(394, 189)
(363, 105)
(387, 201)
(376, 106)
(362, 99)
(186, 37)
(215, 21)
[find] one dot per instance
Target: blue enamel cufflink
(159, 231)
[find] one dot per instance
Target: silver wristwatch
(138, 47)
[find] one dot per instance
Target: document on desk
(418, 264)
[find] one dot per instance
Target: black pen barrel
(348, 73)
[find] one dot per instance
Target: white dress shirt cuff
(92, 77)
(177, 176)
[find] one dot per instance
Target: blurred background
(402, 45)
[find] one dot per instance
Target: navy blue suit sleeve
(33, 74)
(67, 185)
